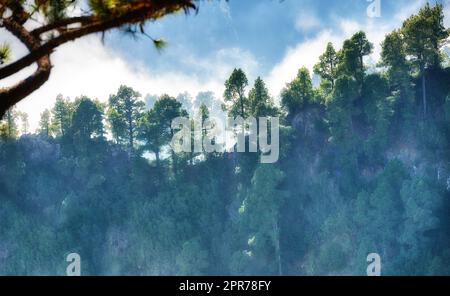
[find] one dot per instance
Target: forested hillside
(364, 168)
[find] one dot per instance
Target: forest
(364, 167)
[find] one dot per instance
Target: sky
(267, 38)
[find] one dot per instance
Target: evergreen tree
(62, 115)
(327, 66)
(87, 120)
(352, 55)
(235, 93)
(125, 110)
(259, 100)
(11, 123)
(298, 94)
(423, 34)
(261, 210)
(45, 123)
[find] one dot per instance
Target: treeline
(364, 168)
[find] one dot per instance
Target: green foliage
(261, 212)
(393, 56)
(331, 258)
(155, 128)
(298, 94)
(235, 93)
(87, 121)
(423, 34)
(378, 110)
(342, 107)
(359, 172)
(192, 259)
(159, 44)
(259, 101)
(327, 68)
(124, 112)
(62, 115)
(10, 124)
(54, 10)
(103, 7)
(352, 55)
(45, 127)
(5, 53)
(420, 201)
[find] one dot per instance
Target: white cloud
(447, 13)
(307, 52)
(87, 67)
(220, 64)
(304, 54)
(307, 21)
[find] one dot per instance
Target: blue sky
(268, 38)
(265, 28)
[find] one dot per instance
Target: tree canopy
(360, 171)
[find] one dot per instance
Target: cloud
(88, 67)
(307, 21)
(303, 54)
(220, 64)
(307, 52)
(447, 13)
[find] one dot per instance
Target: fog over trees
(364, 168)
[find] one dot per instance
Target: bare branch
(146, 11)
(12, 95)
(61, 24)
(40, 50)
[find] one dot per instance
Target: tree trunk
(276, 237)
(9, 96)
(241, 98)
(174, 157)
(61, 126)
(9, 124)
(158, 169)
(157, 158)
(424, 94)
(130, 131)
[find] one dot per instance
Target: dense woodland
(364, 167)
